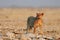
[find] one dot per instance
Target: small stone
(31, 35)
(41, 39)
(10, 35)
(15, 39)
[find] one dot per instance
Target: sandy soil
(12, 19)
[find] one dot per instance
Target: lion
(35, 22)
(38, 22)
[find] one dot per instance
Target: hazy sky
(30, 3)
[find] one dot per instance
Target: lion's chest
(38, 22)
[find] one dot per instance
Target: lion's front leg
(41, 31)
(35, 29)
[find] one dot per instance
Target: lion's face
(40, 15)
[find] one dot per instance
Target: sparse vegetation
(15, 21)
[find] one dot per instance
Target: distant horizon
(27, 7)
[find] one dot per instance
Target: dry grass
(15, 18)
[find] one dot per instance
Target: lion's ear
(42, 14)
(37, 14)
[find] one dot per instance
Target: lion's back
(30, 21)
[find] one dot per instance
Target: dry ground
(15, 18)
